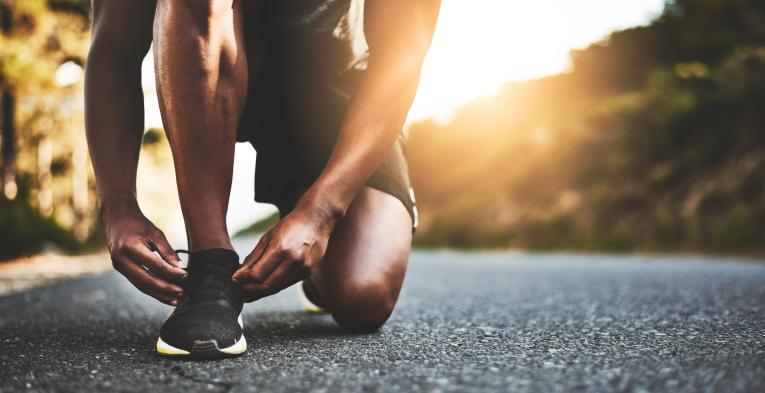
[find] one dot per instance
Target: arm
(376, 114)
(122, 33)
(381, 104)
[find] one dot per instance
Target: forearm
(379, 107)
(114, 123)
(373, 121)
(114, 127)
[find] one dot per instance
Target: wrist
(114, 207)
(324, 208)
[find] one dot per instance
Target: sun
(481, 44)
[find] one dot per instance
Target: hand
(286, 254)
(132, 241)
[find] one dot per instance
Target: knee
(362, 306)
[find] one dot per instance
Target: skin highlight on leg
(360, 278)
(201, 69)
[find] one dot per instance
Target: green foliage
(260, 226)
(654, 141)
(26, 232)
(152, 136)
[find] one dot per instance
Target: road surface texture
(466, 322)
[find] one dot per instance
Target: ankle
(198, 244)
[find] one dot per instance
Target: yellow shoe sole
(204, 349)
(307, 304)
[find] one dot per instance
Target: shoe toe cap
(201, 324)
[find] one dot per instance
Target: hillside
(654, 141)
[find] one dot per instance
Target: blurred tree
(40, 107)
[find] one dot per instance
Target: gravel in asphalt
(466, 322)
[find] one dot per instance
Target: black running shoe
(207, 323)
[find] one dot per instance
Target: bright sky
(478, 46)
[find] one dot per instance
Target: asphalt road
(466, 322)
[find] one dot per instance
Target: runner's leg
(361, 275)
(201, 70)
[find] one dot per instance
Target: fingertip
(240, 278)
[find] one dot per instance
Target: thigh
(368, 251)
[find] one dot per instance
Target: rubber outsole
(308, 305)
(204, 349)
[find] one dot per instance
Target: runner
(321, 88)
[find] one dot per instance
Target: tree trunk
(7, 112)
(44, 176)
(10, 189)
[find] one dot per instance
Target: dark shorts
(293, 119)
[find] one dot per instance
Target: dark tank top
(325, 36)
(313, 55)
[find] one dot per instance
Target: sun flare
(480, 44)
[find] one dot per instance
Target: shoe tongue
(218, 258)
(210, 274)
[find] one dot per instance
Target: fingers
(287, 272)
(258, 273)
(146, 283)
(170, 301)
(142, 255)
(257, 252)
(286, 275)
(283, 257)
(244, 271)
(160, 243)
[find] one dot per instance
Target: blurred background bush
(653, 140)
